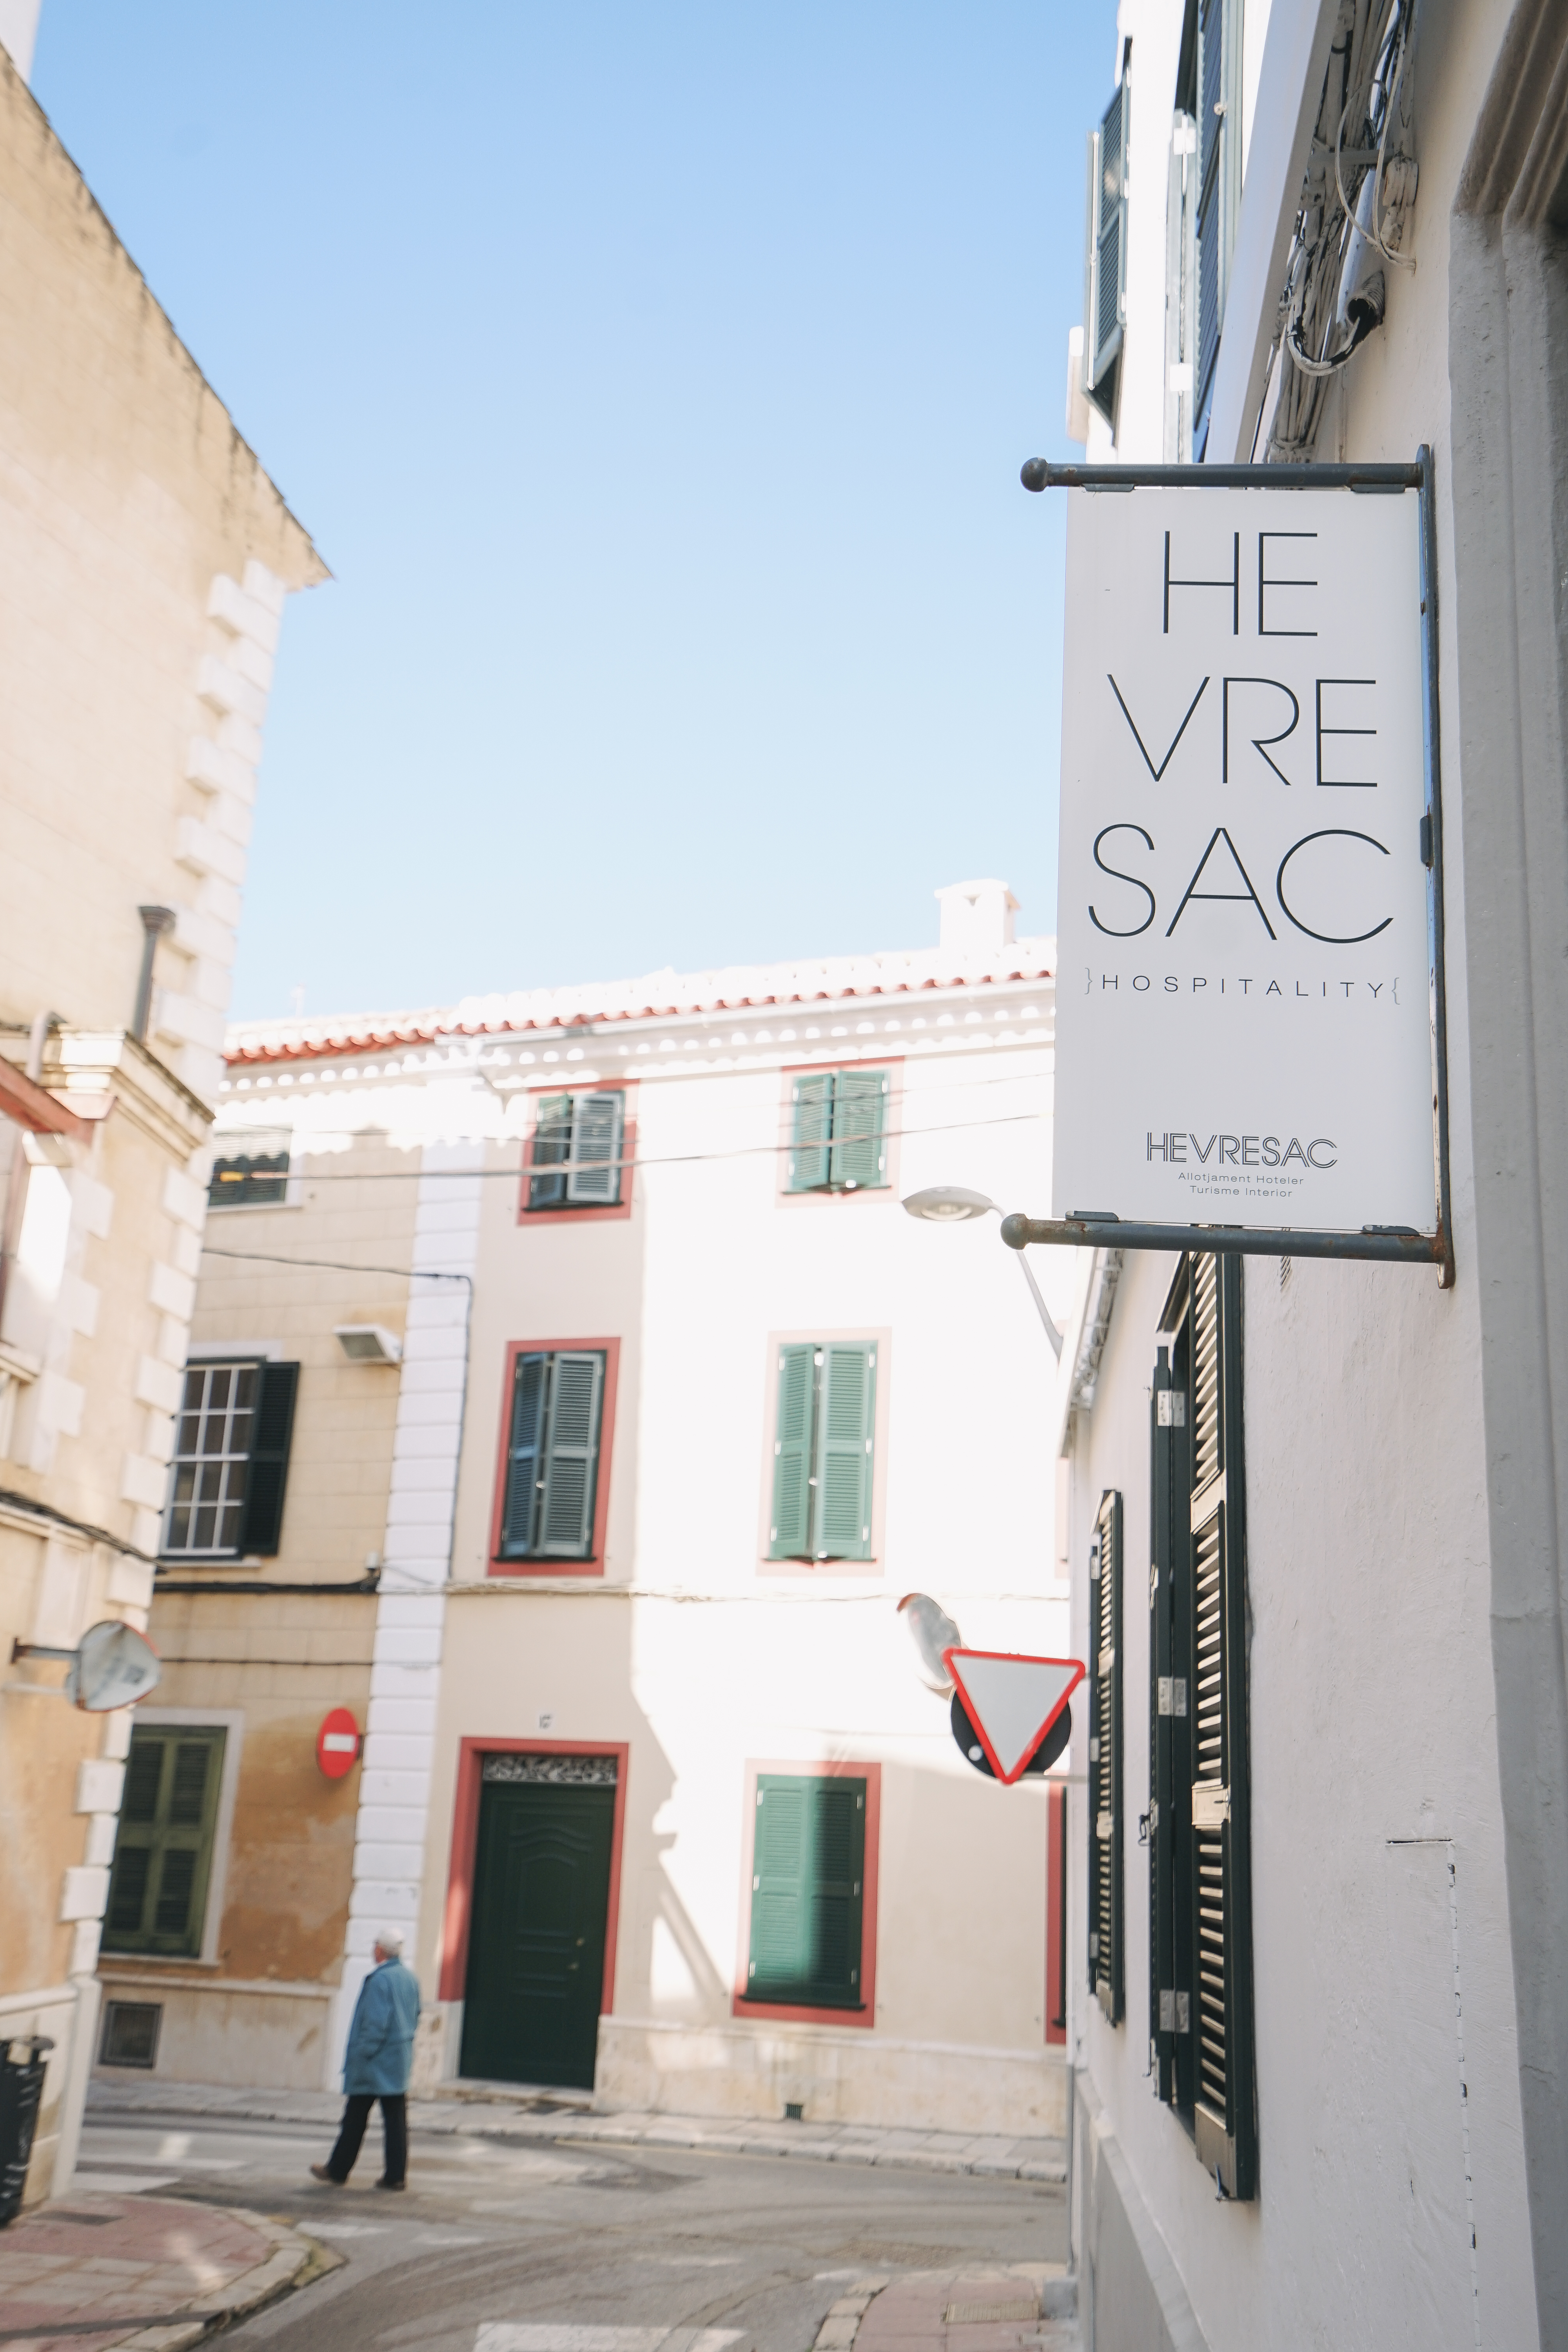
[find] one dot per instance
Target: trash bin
(22, 2064)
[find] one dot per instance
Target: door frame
(460, 1912)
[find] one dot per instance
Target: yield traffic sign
(1011, 1701)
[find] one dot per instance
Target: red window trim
(583, 1216)
(453, 1959)
(843, 1769)
(594, 1564)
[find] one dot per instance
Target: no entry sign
(337, 1744)
(1242, 1010)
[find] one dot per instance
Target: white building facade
(686, 1405)
(1319, 2012)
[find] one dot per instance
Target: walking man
(376, 2064)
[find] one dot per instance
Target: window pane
(213, 1444)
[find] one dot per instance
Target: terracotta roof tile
(659, 995)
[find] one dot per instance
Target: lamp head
(947, 1205)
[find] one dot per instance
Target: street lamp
(952, 1204)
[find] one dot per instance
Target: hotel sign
(1244, 1007)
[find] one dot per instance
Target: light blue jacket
(381, 2038)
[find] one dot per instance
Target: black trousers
(394, 2130)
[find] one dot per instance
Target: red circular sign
(337, 1744)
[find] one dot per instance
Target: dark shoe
(391, 2184)
(319, 2172)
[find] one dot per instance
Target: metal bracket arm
(1386, 1243)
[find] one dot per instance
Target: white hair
(390, 1941)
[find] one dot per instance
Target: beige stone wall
(144, 561)
(125, 491)
(279, 1657)
(354, 1207)
(279, 1663)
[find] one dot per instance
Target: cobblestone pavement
(533, 2232)
(89, 2272)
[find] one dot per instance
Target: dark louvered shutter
(162, 1856)
(570, 1456)
(846, 1424)
(807, 1876)
(519, 1507)
(552, 1150)
(272, 1434)
(790, 1531)
(859, 1153)
(1224, 2115)
(1170, 1910)
(811, 1141)
(1219, 127)
(1105, 1744)
(1105, 274)
(595, 1179)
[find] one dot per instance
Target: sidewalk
(1023, 2307)
(504, 2113)
(84, 2272)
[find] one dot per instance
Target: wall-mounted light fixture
(369, 1343)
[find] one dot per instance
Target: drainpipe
(155, 921)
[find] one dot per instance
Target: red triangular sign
(1011, 1701)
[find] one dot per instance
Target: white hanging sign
(1243, 1032)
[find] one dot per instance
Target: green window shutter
(530, 1380)
(789, 1535)
(1224, 2117)
(846, 1428)
(272, 1434)
(1105, 1746)
(812, 1133)
(808, 1891)
(570, 1474)
(859, 1155)
(1105, 292)
(595, 1179)
(552, 1150)
(162, 1855)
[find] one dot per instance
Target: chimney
(976, 919)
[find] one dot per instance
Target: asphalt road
(556, 2248)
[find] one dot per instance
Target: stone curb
(841, 2326)
(294, 2261)
(1034, 2160)
(1054, 2293)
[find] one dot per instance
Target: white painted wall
(1373, 1718)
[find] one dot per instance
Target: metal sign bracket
(1390, 1244)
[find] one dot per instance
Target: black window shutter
(1105, 1745)
(1224, 2114)
(1170, 1764)
(272, 1434)
(1219, 130)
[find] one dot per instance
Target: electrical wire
(664, 1159)
(1317, 333)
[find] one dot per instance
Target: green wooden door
(536, 1950)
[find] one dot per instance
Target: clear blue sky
(655, 381)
